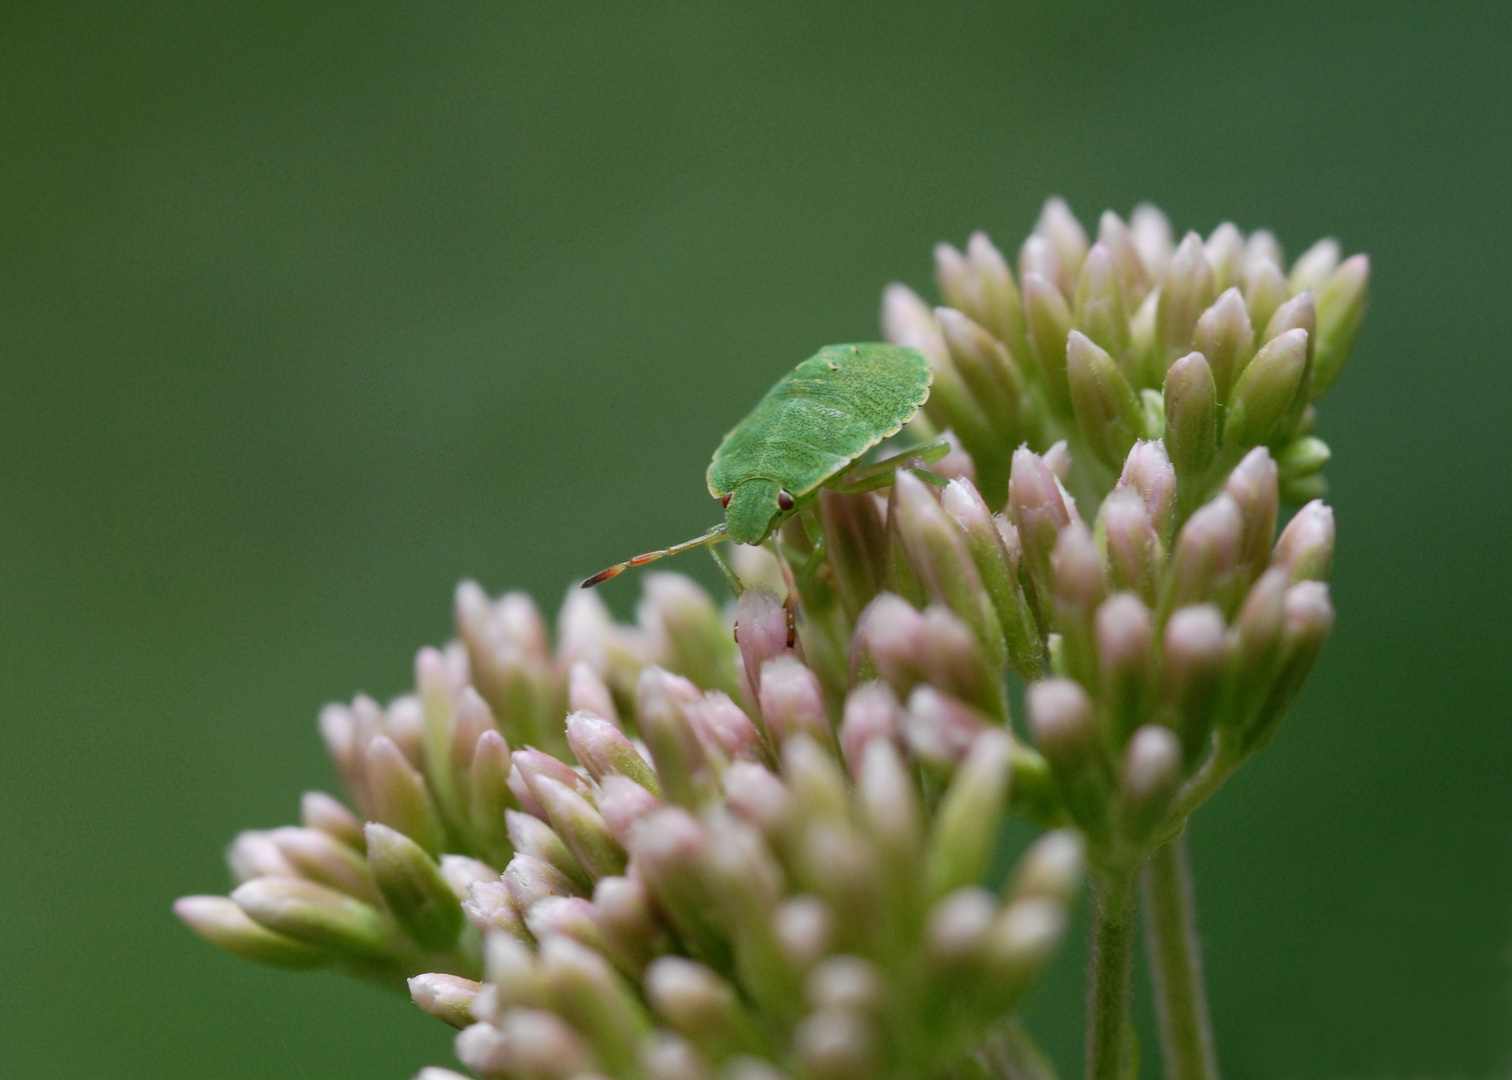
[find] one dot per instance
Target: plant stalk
(1186, 1034)
(1110, 963)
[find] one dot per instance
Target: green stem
(1110, 964)
(1186, 1035)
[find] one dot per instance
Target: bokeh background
(309, 310)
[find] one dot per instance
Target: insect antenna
(716, 533)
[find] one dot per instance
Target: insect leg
(874, 483)
(929, 454)
(727, 572)
(812, 564)
(716, 533)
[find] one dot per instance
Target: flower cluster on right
(758, 842)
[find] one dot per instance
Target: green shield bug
(809, 432)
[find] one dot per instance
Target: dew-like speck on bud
(1306, 547)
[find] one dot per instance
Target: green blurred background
(309, 310)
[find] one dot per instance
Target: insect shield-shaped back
(819, 418)
(808, 429)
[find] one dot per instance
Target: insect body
(805, 434)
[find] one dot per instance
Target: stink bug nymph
(809, 432)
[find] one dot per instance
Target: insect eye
(784, 501)
(724, 500)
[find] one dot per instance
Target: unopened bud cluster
(1213, 345)
(766, 852)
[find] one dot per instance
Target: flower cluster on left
(440, 783)
(698, 876)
